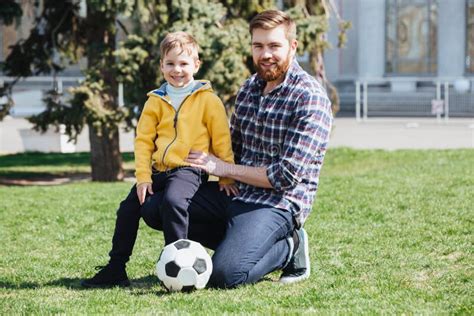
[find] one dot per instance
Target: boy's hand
(142, 188)
(229, 189)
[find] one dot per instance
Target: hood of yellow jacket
(199, 85)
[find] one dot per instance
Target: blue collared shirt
(287, 131)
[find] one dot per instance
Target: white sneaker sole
(289, 280)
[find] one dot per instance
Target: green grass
(50, 165)
(391, 232)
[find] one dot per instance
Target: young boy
(181, 115)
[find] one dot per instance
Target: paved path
(380, 133)
(403, 133)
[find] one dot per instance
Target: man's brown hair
(271, 19)
(183, 41)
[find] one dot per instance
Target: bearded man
(280, 132)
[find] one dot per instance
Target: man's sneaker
(108, 276)
(298, 269)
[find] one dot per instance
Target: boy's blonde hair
(271, 19)
(181, 40)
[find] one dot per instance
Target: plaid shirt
(286, 131)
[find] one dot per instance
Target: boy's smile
(178, 67)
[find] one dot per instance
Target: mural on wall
(411, 36)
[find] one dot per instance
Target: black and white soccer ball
(184, 266)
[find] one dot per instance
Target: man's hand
(256, 176)
(230, 189)
(207, 162)
(142, 188)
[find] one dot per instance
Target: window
(470, 36)
(411, 37)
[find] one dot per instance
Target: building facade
(404, 55)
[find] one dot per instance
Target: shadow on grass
(141, 286)
(18, 286)
(49, 168)
(39, 175)
(13, 178)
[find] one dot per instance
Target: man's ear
(294, 45)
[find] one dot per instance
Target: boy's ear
(197, 64)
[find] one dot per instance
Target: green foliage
(57, 113)
(342, 36)
(10, 11)
(309, 27)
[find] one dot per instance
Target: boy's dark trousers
(179, 186)
(183, 212)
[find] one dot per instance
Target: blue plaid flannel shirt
(287, 131)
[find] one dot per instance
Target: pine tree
(220, 27)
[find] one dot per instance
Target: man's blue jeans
(254, 244)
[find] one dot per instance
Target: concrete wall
(451, 38)
(371, 38)
(364, 53)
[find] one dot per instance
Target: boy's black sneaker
(108, 276)
(298, 269)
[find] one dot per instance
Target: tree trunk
(317, 65)
(106, 159)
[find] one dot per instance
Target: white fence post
(365, 96)
(438, 97)
(446, 101)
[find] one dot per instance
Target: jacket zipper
(175, 124)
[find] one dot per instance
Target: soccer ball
(184, 266)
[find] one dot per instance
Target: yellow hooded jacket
(165, 136)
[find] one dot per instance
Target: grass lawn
(391, 232)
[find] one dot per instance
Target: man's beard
(278, 70)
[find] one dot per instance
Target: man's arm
(256, 176)
(305, 141)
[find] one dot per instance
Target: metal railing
(58, 83)
(43, 79)
(442, 92)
